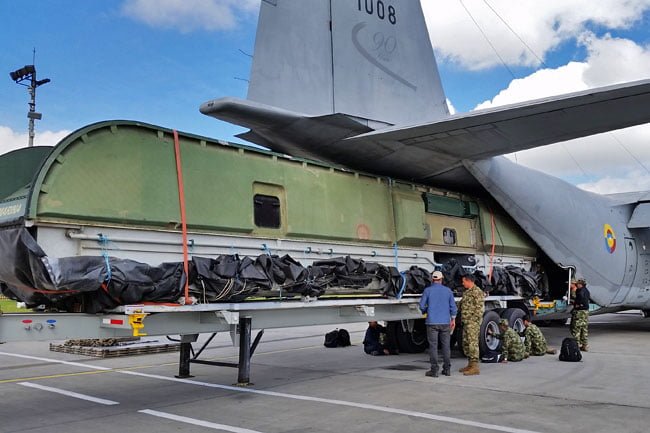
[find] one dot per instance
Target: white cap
(437, 275)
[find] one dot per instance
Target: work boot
(446, 372)
(464, 369)
(584, 348)
(431, 373)
(551, 351)
(473, 369)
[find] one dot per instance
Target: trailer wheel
(490, 326)
(411, 335)
(515, 318)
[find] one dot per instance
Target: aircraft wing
(432, 151)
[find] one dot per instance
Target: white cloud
(619, 158)
(634, 181)
(190, 15)
(541, 84)
(542, 25)
(11, 140)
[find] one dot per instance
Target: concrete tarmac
(301, 386)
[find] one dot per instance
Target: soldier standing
(512, 349)
(580, 313)
(471, 306)
(534, 341)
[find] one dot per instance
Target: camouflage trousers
(471, 332)
(579, 326)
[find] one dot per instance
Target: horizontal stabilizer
(287, 132)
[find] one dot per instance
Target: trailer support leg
(185, 355)
(243, 377)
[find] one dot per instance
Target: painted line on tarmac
(198, 422)
(69, 393)
(57, 361)
(372, 407)
(54, 376)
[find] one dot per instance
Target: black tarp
(93, 284)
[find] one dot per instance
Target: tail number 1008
(379, 8)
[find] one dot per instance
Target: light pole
(28, 73)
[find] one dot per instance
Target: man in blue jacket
(438, 303)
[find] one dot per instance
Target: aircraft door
(631, 257)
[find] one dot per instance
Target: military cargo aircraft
(365, 162)
(355, 84)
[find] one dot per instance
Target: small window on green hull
(449, 236)
(267, 211)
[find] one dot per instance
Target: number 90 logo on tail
(610, 238)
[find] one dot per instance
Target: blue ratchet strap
(401, 290)
(103, 241)
(266, 249)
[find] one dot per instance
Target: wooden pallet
(144, 348)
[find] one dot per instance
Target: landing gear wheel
(486, 340)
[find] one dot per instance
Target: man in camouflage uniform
(580, 313)
(512, 349)
(534, 341)
(471, 306)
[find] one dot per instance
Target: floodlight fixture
(28, 73)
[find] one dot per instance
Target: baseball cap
(437, 275)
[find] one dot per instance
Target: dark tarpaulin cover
(80, 283)
(93, 284)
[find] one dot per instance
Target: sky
(156, 61)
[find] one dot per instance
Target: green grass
(9, 306)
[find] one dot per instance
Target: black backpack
(344, 338)
(337, 338)
(570, 351)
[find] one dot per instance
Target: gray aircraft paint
(321, 72)
(304, 77)
(566, 222)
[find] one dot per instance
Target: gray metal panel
(566, 222)
(640, 217)
(292, 64)
(384, 67)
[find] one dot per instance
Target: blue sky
(157, 61)
(105, 65)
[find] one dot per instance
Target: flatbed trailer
(237, 319)
(61, 220)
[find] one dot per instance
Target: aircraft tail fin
(369, 59)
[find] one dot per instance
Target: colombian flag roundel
(610, 239)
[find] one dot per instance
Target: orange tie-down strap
(181, 201)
